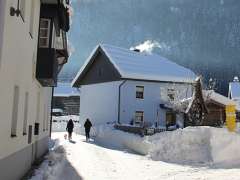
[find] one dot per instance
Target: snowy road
(89, 161)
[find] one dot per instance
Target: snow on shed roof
(141, 66)
(65, 90)
(212, 95)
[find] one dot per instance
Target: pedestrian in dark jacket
(87, 126)
(69, 128)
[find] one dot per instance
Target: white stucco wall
(18, 66)
(150, 103)
(99, 103)
(2, 15)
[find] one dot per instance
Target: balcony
(47, 67)
(52, 45)
(59, 9)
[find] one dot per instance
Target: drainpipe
(119, 100)
(50, 132)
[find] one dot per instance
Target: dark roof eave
(159, 81)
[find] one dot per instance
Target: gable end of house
(99, 70)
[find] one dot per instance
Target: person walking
(87, 126)
(69, 128)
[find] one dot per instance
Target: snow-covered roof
(65, 90)
(141, 66)
(218, 98)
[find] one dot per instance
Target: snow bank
(225, 148)
(53, 164)
(192, 145)
(110, 137)
(182, 146)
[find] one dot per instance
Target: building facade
(125, 87)
(32, 51)
(234, 94)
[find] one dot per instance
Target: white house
(234, 91)
(127, 87)
(234, 94)
(32, 51)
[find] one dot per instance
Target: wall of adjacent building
(17, 68)
(2, 13)
(150, 104)
(99, 102)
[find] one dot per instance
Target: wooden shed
(216, 104)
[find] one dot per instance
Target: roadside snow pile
(112, 138)
(225, 148)
(192, 145)
(53, 164)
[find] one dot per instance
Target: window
(25, 114)
(44, 117)
(34, 66)
(47, 124)
(139, 92)
(36, 128)
(29, 134)
(139, 117)
(170, 118)
(15, 111)
(32, 15)
(44, 32)
(22, 8)
(38, 107)
(171, 94)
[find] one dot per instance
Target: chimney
(235, 79)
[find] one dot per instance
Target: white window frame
(135, 118)
(139, 86)
(48, 33)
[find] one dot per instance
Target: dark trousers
(87, 131)
(69, 134)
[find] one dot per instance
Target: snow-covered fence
(139, 130)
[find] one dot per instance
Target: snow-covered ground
(192, 146)
(193, 153)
